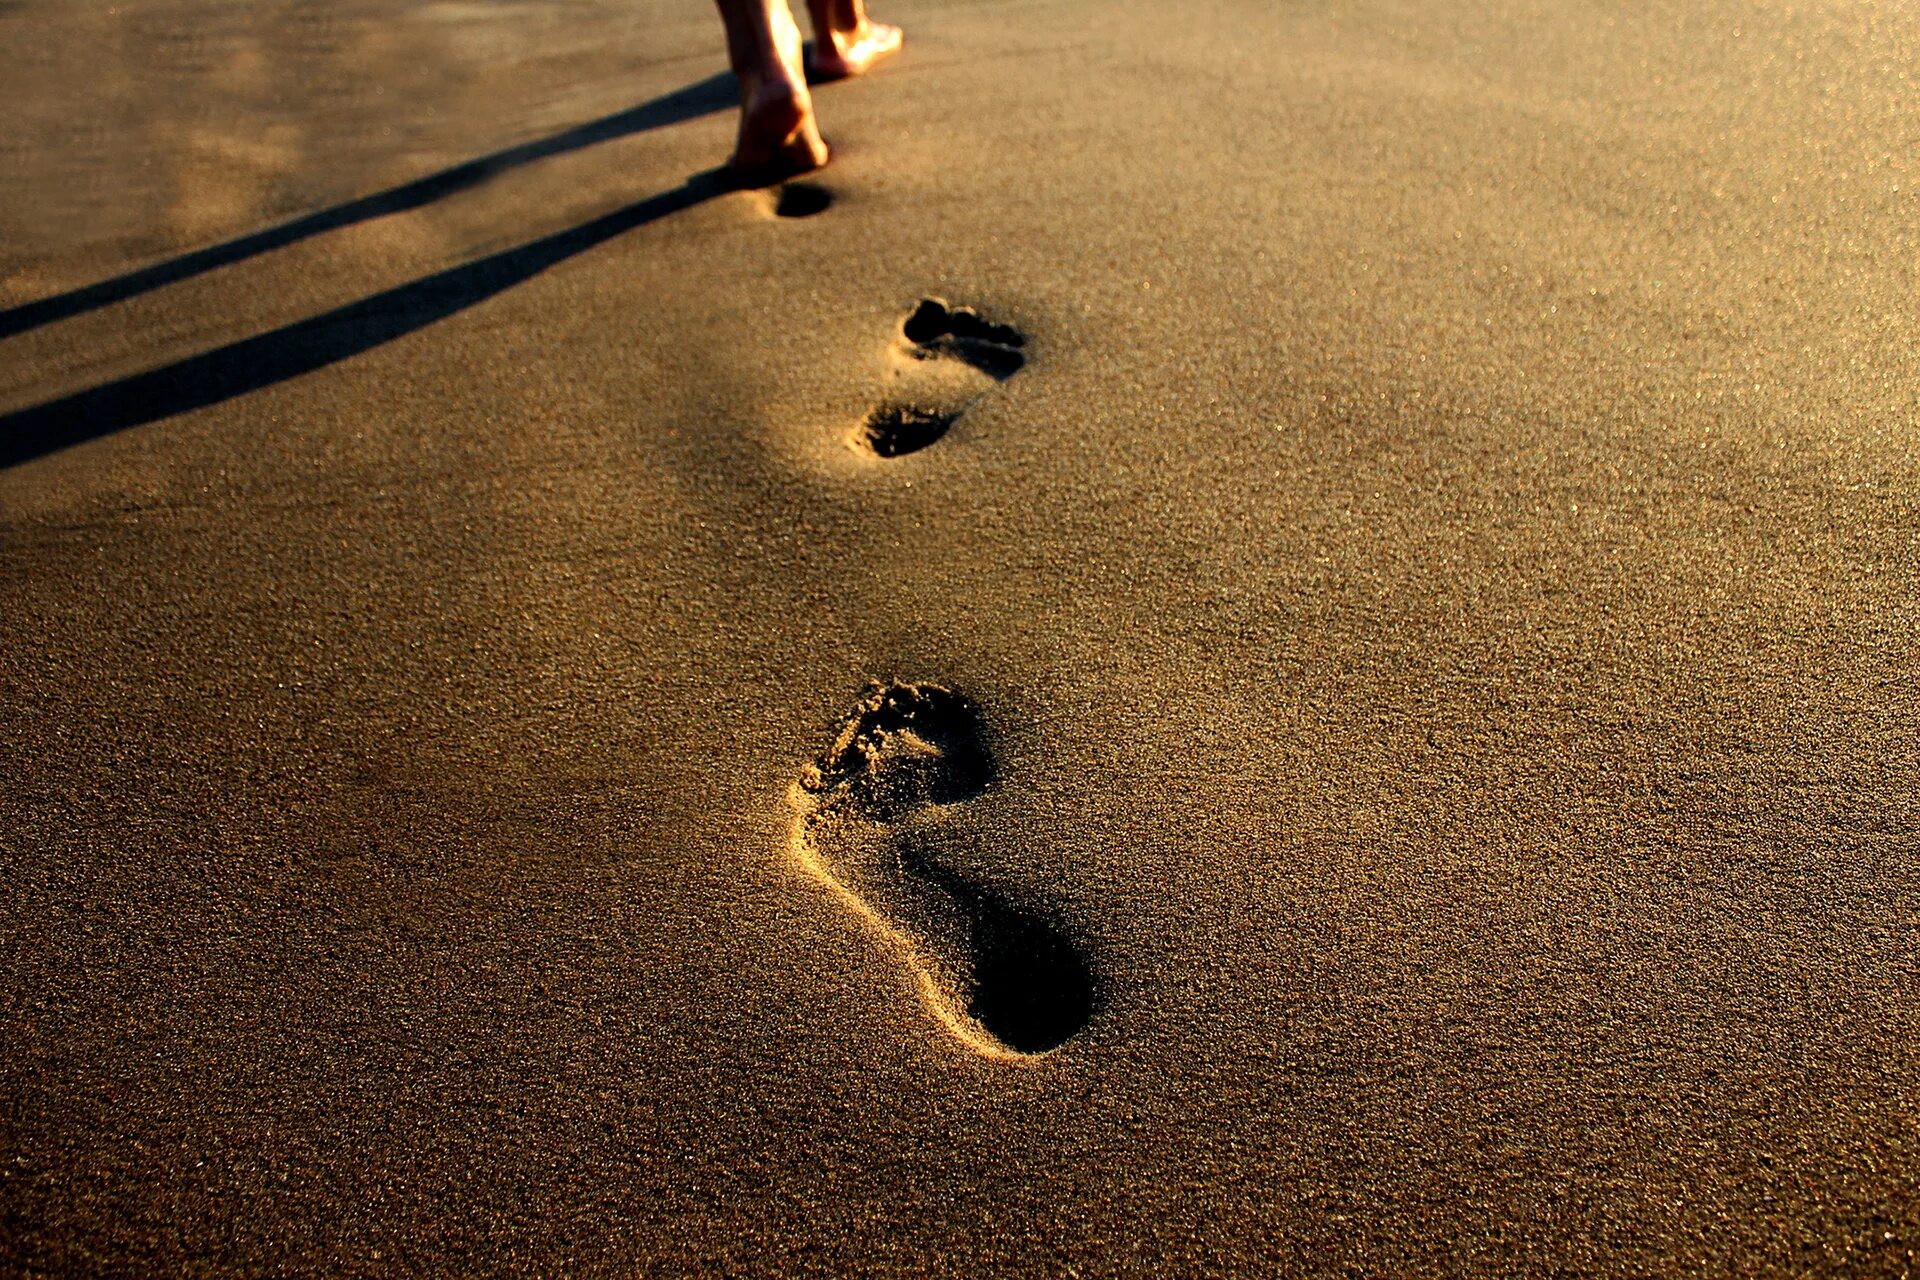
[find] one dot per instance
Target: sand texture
(1254, 639)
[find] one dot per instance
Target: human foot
(778, 137)
(845, 42)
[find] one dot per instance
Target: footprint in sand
(944, 359)
(870, 819)
(801, 200)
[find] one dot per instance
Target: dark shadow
(306, 345)
(715, 93)
(802, 200)
(1032, 988)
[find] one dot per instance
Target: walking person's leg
(777, 137)
(845, 41)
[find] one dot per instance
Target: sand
(1434, 600)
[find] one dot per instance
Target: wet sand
(1408, 587)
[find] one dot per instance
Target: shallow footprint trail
(945, 358)
(998, 973)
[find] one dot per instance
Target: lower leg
(777, 132)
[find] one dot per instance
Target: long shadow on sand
(703, 97)
(325, 339)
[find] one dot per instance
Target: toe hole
(863, 759)
(801, 200)
(927, 323)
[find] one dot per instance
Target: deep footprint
(945, 359)
(1002, 975)
(801, 200)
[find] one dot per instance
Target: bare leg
(845, 41)
(778, 137)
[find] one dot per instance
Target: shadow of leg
(306, 345)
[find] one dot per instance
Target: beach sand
(1427, 632)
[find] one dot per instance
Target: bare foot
(850, 48)
(778, 137)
